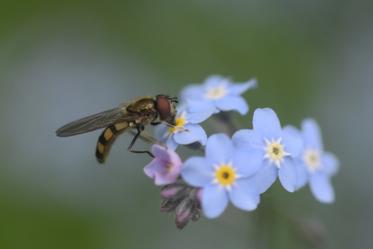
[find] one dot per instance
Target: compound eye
(163, 106)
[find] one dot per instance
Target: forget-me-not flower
(314, 164)
(223, 175)
(216, 94)
(165, 167)
(277, 148)
(185, 131)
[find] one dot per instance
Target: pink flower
(165, 167)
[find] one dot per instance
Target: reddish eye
(163, 107)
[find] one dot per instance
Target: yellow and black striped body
(107, 138)
(136, 114)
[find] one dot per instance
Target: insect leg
(139, 130)
(174, 126)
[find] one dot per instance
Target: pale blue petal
(192, 92)
(219, 149)
(266, 122)
(193, 133)
(293, 130)
(171, 143)
(200, 110)
(288, 175)
(214, 201)
(246, 138)
(293, 143)
(197, 117)
(330, 163)
(215, 81)
(235, 103)
(181, 108)
(161, 133)
(321, 188)
(302, 174)
(265, 177)
(312, 134)
(200, 106)
(244, 195)
(238, 89)
(248, 161)
(197, 172)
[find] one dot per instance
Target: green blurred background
(65, 59)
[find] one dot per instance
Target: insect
(133, 115)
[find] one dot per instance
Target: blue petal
(236, 103)
(214, 201)
(219, 149)
(200, 110)
(265, 177)
(246, 138)
(288, 175)
(330, 163)
(191, 92)
(238, 89)
(244, 195)
(292, 130)
(214, 81)
(193, 133)
(171, 143)
(266, 122)
(197, 172)
(197, 117)
(312, 134)
(181, 108)
(302, 174)
(321, 188)
(161, 133)
(293, 142)
(247, 161)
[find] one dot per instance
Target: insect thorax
(142, 105)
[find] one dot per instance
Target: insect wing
(95, 121)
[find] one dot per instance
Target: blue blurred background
(62, 60)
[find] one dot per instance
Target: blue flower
(314, 164)
(277, 148)
(223, 175)
(216, 94)
(186, 130)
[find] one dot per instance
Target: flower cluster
(236, 169)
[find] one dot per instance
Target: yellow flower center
(312, 159)
(275, 152)
(225, 175)
(179, 124)
(216, 92)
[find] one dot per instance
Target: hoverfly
(134, 115)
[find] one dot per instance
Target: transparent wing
(95, 121)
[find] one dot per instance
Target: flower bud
(172, 191)
(183, 213)
(168, 206)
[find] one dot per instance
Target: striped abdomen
(107, 138)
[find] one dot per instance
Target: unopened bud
(183, 213)
(168, 206)
(171, 191)
(196, 214)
